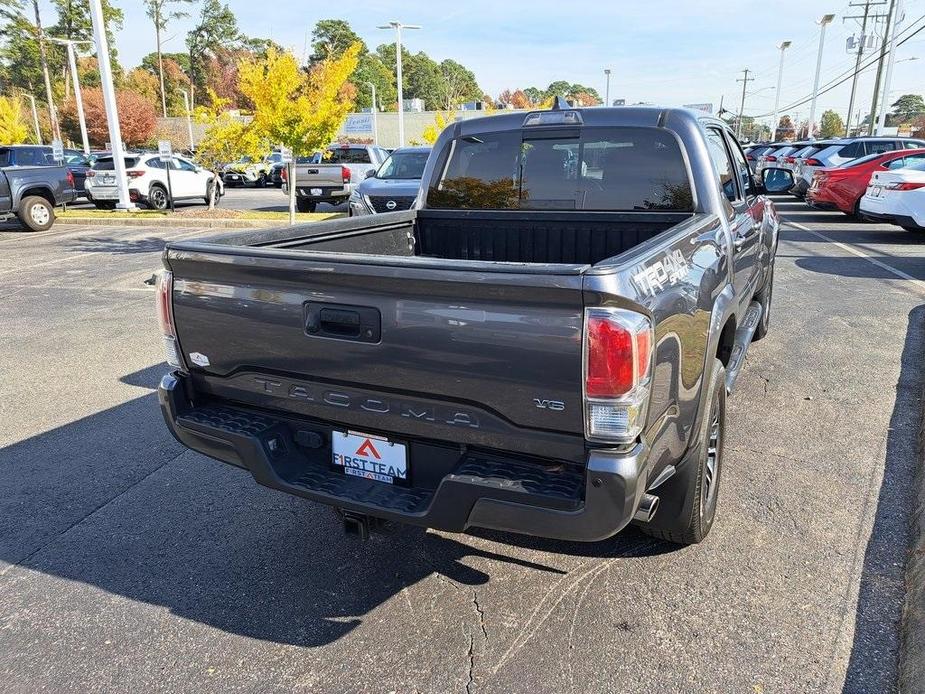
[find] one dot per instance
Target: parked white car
(147, 181)
(897, 196)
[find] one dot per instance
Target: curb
(173, 222)
(912, 633)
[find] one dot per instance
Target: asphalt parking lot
(130, 563)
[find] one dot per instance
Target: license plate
(875, 191)
(316, 191)
(370, 457)
(109, 180)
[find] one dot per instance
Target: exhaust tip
(647, 508)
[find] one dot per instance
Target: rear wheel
(36, 213)
(157, 198)
(304, 205)
(688, 500)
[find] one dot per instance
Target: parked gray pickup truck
(544, 347)
(32, 191)
(331, 177)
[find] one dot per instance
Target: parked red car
(841, 187)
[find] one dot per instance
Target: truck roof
(627, 116)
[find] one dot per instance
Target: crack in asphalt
(471, 680)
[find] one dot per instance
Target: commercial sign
(359, 123)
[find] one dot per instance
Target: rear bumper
(484, 489)
(897, 219)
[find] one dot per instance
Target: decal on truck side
(668, 271)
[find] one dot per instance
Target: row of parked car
(873, 178)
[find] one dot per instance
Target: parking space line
(860, 254)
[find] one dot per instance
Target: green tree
(213, 40)
(557, 88)
(907, 107)
(161, 12)
(458, 84)
(534, 95)
(831, 125)
(332, 37)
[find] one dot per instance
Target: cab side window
(745, 177)
(722, 164)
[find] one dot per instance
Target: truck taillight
(70, 178)
(164, 290)
(618, 348)
(345, 174)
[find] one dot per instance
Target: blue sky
(669, 52)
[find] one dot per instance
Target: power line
(851, 74)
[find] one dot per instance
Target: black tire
(158, 198)
(105, 204)
(278, 184)
(36, 213)
(261, 181)
(688, 500)
(208, 196)
(764, 297)
(303, 205)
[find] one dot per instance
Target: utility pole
(860, 51)
(873, 103)
(826, 19)
(745, 80)
(780, 74)
(78, 96)
(885, 98)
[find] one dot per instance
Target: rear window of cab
(589, 168)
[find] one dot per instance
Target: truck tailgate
(326, 175)
(457, 353)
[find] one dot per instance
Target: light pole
(375, 118)
(826, 19)
(78, 97)
(897, 18)
(780, 75)
(35, 118)
(109, 101)
(398, 26)
(607, 89)
(189, 122)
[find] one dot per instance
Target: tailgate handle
(358, 323)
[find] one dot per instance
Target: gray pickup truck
(332, 176)
(544, 346)
(31, 191)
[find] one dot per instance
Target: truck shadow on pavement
(135, 514)
(873, 662)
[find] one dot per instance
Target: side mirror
(776, 180)
(371, 173)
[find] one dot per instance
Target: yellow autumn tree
(13, 127)
(227, 137)
(294, 108)
(432, 131)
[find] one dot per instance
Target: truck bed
(496, 236)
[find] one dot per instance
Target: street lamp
(72, 61)
(826, 19)
(607, 90)
(189, 121)
(398, 26)
(375, 117)
(780, 75)
(897, 18)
